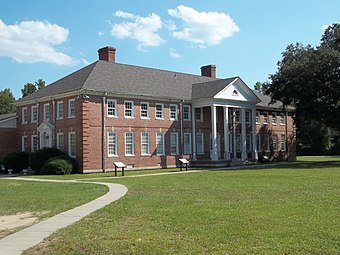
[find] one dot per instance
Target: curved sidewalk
(22, 240)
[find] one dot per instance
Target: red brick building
(149, 118)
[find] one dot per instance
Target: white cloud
(203, 28)
(174, 53)
(34, 41)
(142, 29)
(101, 33)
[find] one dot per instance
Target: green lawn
(289, 209)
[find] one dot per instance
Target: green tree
(331, 37)
(262, 87)
(6, 101)
(30, 88)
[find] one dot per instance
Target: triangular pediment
(45, 126)
(237, 91)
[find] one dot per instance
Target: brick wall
(9, 141)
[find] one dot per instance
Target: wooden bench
(184, 162)
(119, 165)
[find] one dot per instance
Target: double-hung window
(144, 110)
(274, 119)
(145, 144)
(173, 112)
(129, 144)
(282, 119)
(283, 142)
(60, 109)
(186, 113)
(128, 109)
(112, 144)
(187, 143)
(71, 108)
(266, 142)
(34, 143)
(60, 141)
(248, 142)
(199, 114)
(199, 143)
(111, 108)
(159, 111)
(160, 148)
(258, 142)
(34, 114)
(47, 111)
(174, 143)
(24, 115)
(72, 144)
(247, 116)
(24, 143)
(257, 118)
(265, 118)
(237, 116)
(275, 147)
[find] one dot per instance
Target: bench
(184, 162)
(119, 165)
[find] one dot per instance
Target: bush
(38, 158)
(17, 161)
(58, 165)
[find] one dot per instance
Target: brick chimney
(209, 71)
(107, 53)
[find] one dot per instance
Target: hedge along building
(146, 118)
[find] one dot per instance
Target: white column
(234, 134)
(243, 134)
(214, 133)
(226, 133)
(253, 130)
(193, 119)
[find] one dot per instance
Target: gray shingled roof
(210, 89)
(121, 79)
(265, 102)
(7, 116)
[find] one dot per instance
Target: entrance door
(218, 146)
(45, 139)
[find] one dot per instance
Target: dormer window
(235, 92)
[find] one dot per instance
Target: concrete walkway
(28, 237)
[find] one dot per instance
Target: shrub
(17, 161)
(58, 165)
(38, 158)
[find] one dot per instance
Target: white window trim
(114, 101)
(276, 138)
(200, 153)
(115, 145)
(22, 142)
(70, 116)
(23, 121)
(58, 108)
(148, 111)
(132, 109)
(32, 119)
(190, 151)
(176, 134)
(69, 144)
(201, 110)
(162, 105)
(265, 122)
(141, 144)
(176, 113)
(58, 141)
(274, 117)
(133, 144)
(282, 116)
(283, 142)
(49, 111)
(257, 115)
(32, 137)
(163, 144)
(189, 113)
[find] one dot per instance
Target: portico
(230, 118)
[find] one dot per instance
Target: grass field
(289, 209)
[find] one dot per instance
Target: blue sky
(50, 39)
